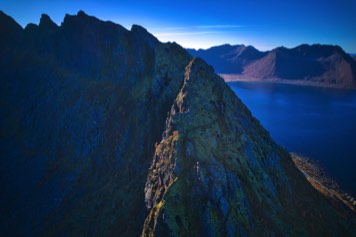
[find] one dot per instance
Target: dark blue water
(319, 123)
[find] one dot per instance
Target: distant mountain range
(321, 65)
(108, 132)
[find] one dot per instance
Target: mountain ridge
(74, 100)
(319, 65)
(84, 106)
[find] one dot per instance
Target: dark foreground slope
(321, 65)
(83, 108)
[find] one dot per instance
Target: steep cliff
(82, 105)
(83, 108)
(217, 172)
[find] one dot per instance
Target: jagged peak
(81, 16)
(31, 27)
(8, 25)
(47, 23)
(250, 47)
(135, 27)
(83, 20)
(222, 46)
(142, 32)
(81, 13)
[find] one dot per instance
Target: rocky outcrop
(217, 172)
(84, 106)
(320, 65)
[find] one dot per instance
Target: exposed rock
(245, 184)
(83, 105)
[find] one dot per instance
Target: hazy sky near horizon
(201, 24)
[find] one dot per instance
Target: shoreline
(325, 185)
(230, 78)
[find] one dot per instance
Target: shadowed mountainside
(322, 65)
(227, 58)
(83, 108)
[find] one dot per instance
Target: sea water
(319, 123)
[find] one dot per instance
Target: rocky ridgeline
(83, 109)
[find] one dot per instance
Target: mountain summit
(320, 65)
(109, 132)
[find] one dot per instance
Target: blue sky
(201, 24)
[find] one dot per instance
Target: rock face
(322, 65)
(83, 108)
(217, 172)
(82, 105)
